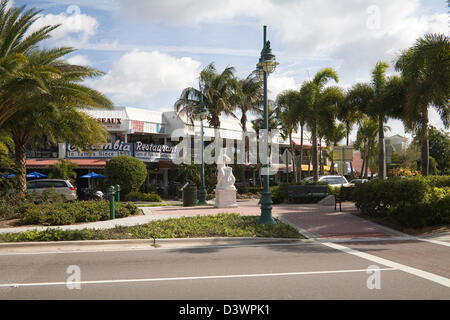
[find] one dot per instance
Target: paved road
(300, 270)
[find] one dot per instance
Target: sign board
(142, 151)
(106, 151)
(343, 153)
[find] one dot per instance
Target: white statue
(225, 177)
(225, 189)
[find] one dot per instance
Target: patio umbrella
(5, 175)
(92, 175)
(36, 175)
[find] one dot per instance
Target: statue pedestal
(225, 198)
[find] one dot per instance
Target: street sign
(343, 153)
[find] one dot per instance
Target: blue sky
(151, 50)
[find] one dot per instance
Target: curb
(211, 241)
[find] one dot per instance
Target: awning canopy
(82, 163)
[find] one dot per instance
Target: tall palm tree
(373, 100)
(219, 93)
(426, 69)
(320, 104)
(248, 99)
(56, 112)
(348, 114)
(16, 42)
(288, 117)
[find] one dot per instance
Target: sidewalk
(313, 220)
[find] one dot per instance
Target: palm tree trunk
(293, 157)
(366, 171)
(301, 151)
(381, 153)
(363, 162)
(21, 164)
(314, 153)
(425, 150)
(244, 182)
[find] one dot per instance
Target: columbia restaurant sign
(143, 151)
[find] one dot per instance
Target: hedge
(73, 212)
(280, 193)
(139, 196)
(410, 202)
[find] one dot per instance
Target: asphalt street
(300, 270)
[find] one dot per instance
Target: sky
(150, 51)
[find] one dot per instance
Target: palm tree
(16, 42)
(287, 116)
(376, 100)
(426, 70)
(219, 93)
(56, 112)
(336, 134)
(258, 123)
(365, 140)
(320, 104)
(249, 98)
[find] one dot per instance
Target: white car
(334, 181)
(63, 187)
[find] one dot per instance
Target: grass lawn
(221, 225)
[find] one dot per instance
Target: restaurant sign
(143, 151)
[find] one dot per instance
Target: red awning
(306, 143)
(82, 163)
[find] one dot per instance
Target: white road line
(442, 243)
(417, 272)
(231, 276)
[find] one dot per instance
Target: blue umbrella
(92, 175)
(5, 175)
(36, 175)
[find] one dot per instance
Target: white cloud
(277, 84)
(75, 28)
(356, 33)
(139, 76)
(79, 60)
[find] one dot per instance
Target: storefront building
(146, 135)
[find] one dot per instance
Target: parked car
(334, 181)
(61, 186)
(355, 181)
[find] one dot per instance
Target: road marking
(442, 243)
(231, 276)
(417, 272)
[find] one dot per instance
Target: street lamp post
(266, 66)
(202, 113)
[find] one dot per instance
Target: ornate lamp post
(202, 113)
(265, 66)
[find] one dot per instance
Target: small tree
(130, 173)
(63, 169)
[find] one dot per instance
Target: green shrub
(73, 212)
(409, 202)
(139, 196)
(280, 193)
(130, 173)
